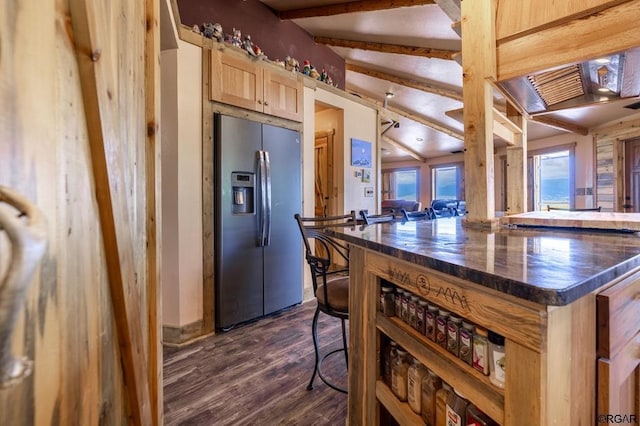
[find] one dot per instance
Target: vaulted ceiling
(411, 50)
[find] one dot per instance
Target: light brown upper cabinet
(253, 85)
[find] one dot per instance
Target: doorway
(632, 176)
(324, 173)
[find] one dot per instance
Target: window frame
(459, 165)
(571, 147)
(399, 169)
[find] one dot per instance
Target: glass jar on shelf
(387, 302)
(399, 375)
(453, 334)
(441, 327)
(497, 359)
(431, 383)
(481, 350)
(466, 342)
(416, 373)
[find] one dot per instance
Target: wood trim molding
(178, 336)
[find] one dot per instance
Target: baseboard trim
(180, 336)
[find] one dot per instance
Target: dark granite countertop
(547, 266)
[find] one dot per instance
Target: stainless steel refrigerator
(258, 189)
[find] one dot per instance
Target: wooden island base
(554, 374)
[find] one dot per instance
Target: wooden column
(517, 166)
(153, 208)
(478, 65)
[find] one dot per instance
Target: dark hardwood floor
(257, 374)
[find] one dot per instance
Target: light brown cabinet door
(282, 95)
(236, 81)
(618, 366)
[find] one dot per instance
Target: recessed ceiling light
(389, 95)
(603, 60)
(419, 139)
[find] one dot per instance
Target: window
(551, 175)
(401, 184)
(447, 182)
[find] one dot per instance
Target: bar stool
(328, 261)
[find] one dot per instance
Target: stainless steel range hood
(599, 80)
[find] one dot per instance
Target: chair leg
(314, 333)
(344, 342)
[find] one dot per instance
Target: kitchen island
(566, 302)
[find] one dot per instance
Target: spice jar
(453, 328)
(389, 358)
(496, 355)
(414, 382)
(387, 302)
(421, 311)
(397, 299)
(430, 321)
(441, 404)
(481, 350)
(404, 316)
(456, 409)
(441, 327)
(399, 375)
(466, 342)
(413, 303)
(475, 417)
(430, 385)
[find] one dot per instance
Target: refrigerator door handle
(267, 213)
(263, 200)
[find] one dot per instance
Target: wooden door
(632, 176)
(324, 174)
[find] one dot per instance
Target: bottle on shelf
(497, 359)
(421, 311)
(441, 327)
(411, 310)
(466, 342)
(481, 350)
(397, 299)
(441, 404)
(456, 409)
(430, 321)
(390, 353)
(399, 375)
(431, 383)
(404, 308)
(416, 373)
(454, 323)
(387, 302)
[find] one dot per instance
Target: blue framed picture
(360, 153)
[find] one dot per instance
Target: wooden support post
(97, 82)
(517, 166)
(479, 64)
(153, 210)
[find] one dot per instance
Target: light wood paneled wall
(68, 325)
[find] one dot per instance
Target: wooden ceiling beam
(559, 124)
(349, 7)
(398, 49)
(403, 147)
(427, 122)
(429, 88)
(613, 29)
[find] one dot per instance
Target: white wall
(181, 185)
(360, 122)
